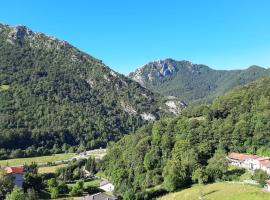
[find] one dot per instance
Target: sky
(125, 34)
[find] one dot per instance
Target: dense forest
(53, 96)
(193, 83)
(191, 148)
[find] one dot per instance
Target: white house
(106, 186)
(247, 161)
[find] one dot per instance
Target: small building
(106, 186)
(17, 173)
(263, 161)
(253, 162)
(247, 161)
(265, 166)
(98, 196)
(267, 185)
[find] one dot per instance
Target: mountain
(171, 152)
(53, 95)
(192, 83)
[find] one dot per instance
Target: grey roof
(98, 196)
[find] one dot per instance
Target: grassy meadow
(219, 191)
(38, 160)
(50, 169)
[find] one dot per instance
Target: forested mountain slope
(193, 82)
(54, 95)
(172, 151)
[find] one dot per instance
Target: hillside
(192, 83)
(220, 191)
(54, 96)
(174, 151)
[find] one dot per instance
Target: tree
(63, 188)
(91, 165)
(217, 165)
(177, 172)
(129, 195)
(32, 168)
(32, 194)
(77, 189)
(6, 183)
(52, 183)
(53, 188)
(54, 192)
(32, 181)
(16, 194)
(260, 176)
(199, 176)
(174, 176)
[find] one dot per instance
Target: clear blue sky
(125, 34)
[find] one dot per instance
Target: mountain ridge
(53, 94)
(192, 82)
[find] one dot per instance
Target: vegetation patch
(4, 87)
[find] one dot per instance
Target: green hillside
(54, 96)
(193, 83)
(174, 151)
(219, 191)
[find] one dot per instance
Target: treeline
(192, 147)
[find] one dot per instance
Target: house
(98, 196)
(247, 161)
(106, 186)
(267, 185)
(17, 173)
(265, 166)
(263, 161)
(253, 162)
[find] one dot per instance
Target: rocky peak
(158, 70)
(19, 32)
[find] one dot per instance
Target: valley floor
(219, 191)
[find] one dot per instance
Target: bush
(16, 194)
(77, 189)
(54, 192)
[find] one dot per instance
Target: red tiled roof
(241, 156)
(265, 163)
(263, 158)
(14, 170)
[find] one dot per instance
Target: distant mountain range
(193, 83)
(52, 94)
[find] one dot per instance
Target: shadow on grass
(211, 192)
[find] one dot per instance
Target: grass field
(88, 183)
(38, 160)
(220, 191)
(50, 169)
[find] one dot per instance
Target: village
(251, 162)
(104, 188)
